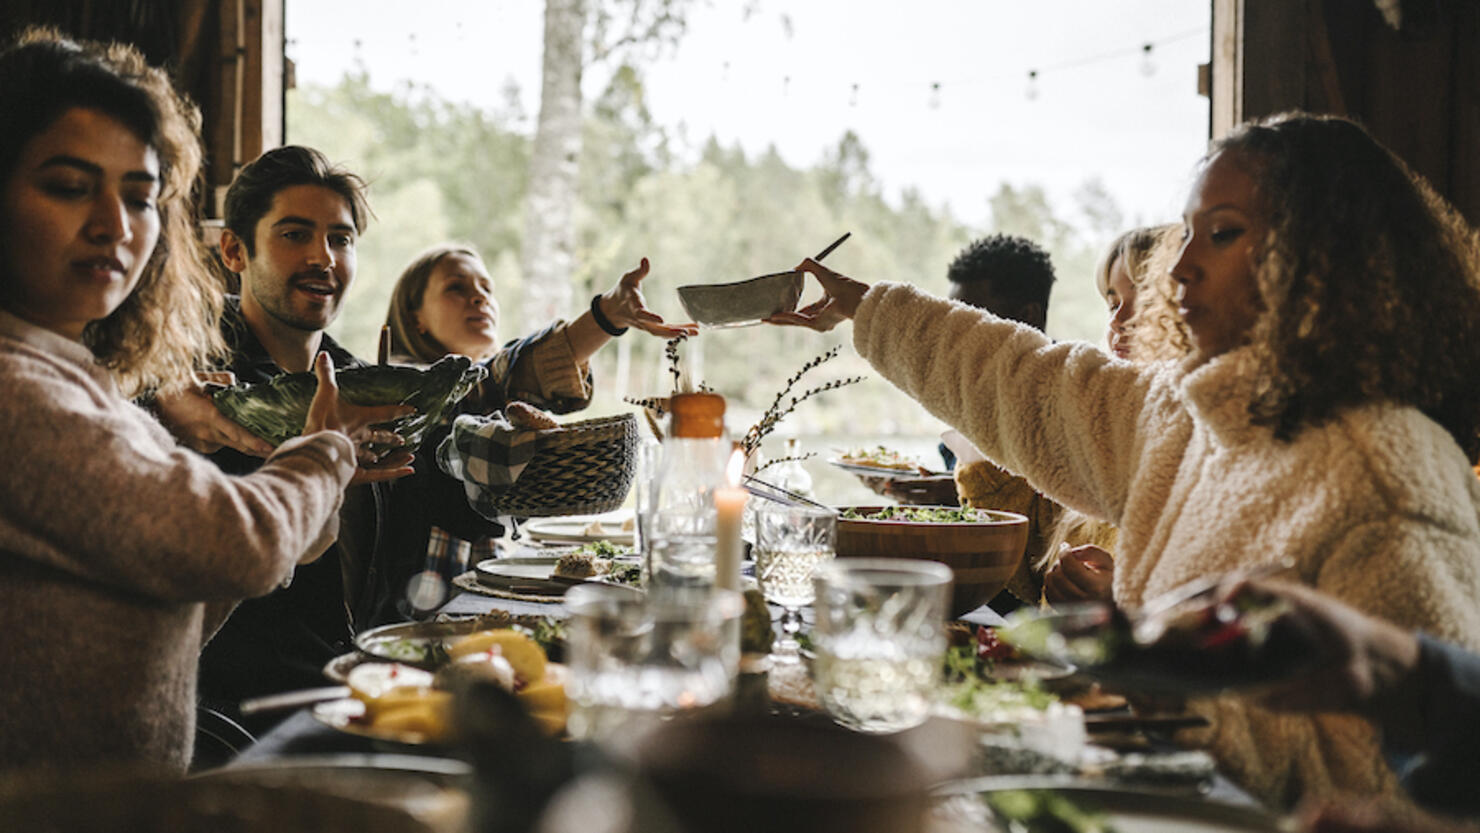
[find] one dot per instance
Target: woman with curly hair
(1328, 415)
(119, 551)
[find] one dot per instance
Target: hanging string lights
(935, 90)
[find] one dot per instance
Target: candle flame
(735, 468)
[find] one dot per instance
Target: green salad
(966, 689)
(1045, 811)
(921, 514)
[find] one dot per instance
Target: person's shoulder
(341, 357)
(1407, 458)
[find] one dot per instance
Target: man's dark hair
(251, 193)
(1016, 270)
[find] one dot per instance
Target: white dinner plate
(882, 471)
(577, 530)
(1134, 810)
(524, 574)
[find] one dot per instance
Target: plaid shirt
(449, 556)
(486, 453)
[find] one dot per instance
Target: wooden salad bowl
(982, 556)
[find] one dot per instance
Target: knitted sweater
(112, 542)
(1377, 506)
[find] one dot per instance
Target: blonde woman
(444, 303)
(1078, 562)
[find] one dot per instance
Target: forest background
(702, 211)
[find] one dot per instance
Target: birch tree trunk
(548, 255)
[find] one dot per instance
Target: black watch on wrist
(602, 321)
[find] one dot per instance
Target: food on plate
(380, 684)
(488, 666)
(629, 525)
(880, 457)
(921, 514)
(575, 565)
(601, 561)
(525, 415)
(402, 700)
(527, 658)
(1044, 811)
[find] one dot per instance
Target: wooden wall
(1417, 88)
(226, 54)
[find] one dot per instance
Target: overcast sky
(785, 74)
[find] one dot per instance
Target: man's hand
(1082, 574)
(192, 417)
(327, 412)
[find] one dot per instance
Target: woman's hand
(192, 417)
(624, 306)
(839, 302)
(1082, 574)
(327, 412)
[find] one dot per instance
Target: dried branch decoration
(779, 460)
(670, 350)
(657, 405)
(785, 403)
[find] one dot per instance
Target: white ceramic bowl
(742, 303)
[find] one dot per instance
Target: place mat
(469, 581)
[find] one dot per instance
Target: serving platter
(886, 472)
(1123, 810)
(424, 644)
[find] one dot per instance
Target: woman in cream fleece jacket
(1328, 416)
(120, 552)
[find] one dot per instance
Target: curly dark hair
(167, 326)
(1370, 280)
(1017, 269)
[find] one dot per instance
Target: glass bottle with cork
(683, 525)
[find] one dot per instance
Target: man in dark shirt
(292, 222)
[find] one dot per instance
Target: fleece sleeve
(1063, 416)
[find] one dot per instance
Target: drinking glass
(791, 542)
(635, 660)
(880, 640)
(644, 490)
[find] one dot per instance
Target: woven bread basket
(582, 468)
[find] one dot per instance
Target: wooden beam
(223, 136)
(1225, 99)
(262, 71)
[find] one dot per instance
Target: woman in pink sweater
(119, 551)
(1329, 414)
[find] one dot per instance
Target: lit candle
(729, 505)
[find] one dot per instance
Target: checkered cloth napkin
(487, 453)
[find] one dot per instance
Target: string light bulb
(1148, 65)
(853, 97)
(1032, 92)
(935, 95)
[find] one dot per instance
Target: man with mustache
(292, 223)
